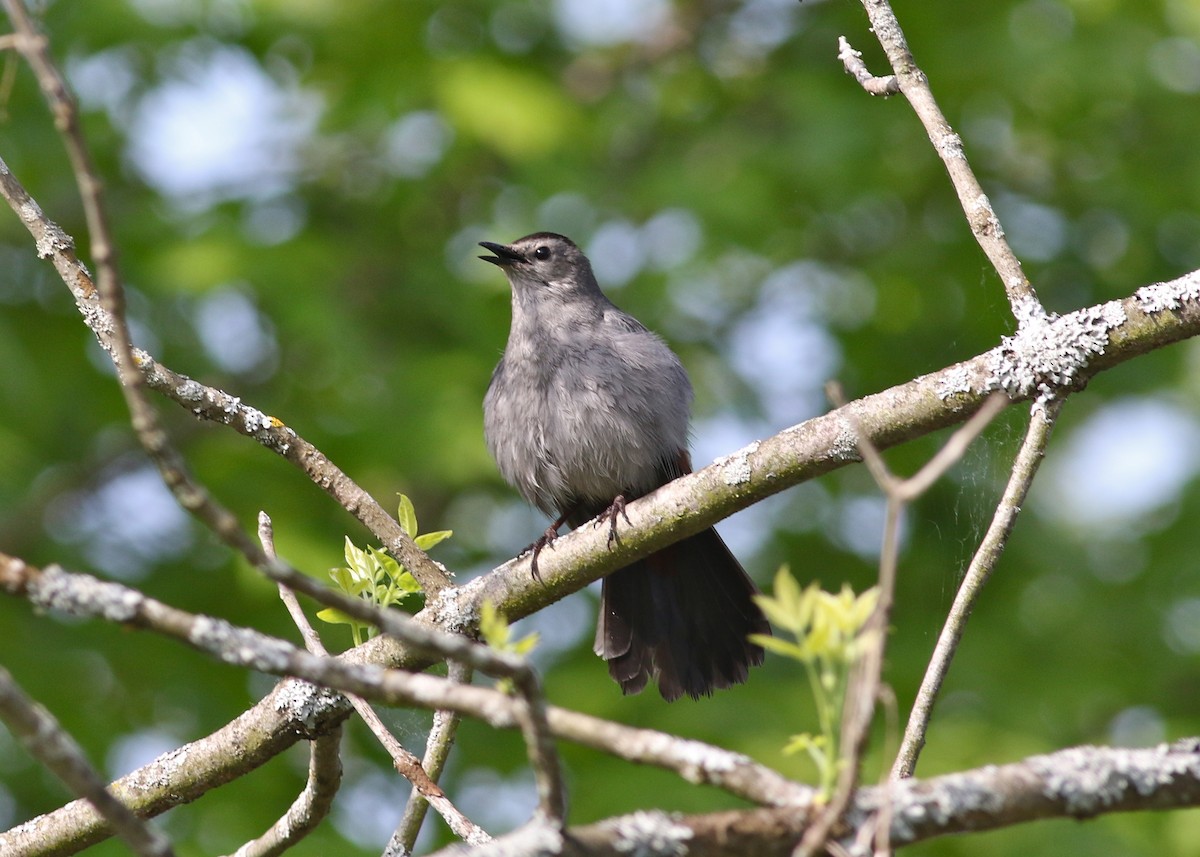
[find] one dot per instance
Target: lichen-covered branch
(1060, 354)
(1082, 782)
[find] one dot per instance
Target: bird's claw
(546, 539)
(617, 509)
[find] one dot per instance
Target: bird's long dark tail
(680, 616)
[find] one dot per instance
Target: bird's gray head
(544, 265)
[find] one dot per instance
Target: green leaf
(360, 562)
(387, 563)
(802, 742)
(777, 612)
(347, 581)
(428, 540)
(336, 617)
(407, 582)
(782, 647)
(407, 516)
(493, 627)
(526, 644)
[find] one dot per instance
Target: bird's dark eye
(542, 252)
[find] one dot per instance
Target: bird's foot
(546, 539)
(617, 509)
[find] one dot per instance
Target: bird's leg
(617, 509)
(546, 538)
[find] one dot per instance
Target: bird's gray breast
(582, 418)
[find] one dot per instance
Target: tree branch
(1065, 352)
(49, 743)
(981, 217)
(1081, 782)
(311, 805)
(1029, 457)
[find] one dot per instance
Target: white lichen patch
(956, 379)
(735, 467)
(80, 595)
(1158, 297)
(240, 646)
(845, 444)
(705, 756)
(1049, 352)
(951, 147)
(454, 607)
(982, 205)
(255, 420)
(306, 704)
(190, 391)
(651, 834)
(916, 807)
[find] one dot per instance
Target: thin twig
(868, 670)
(981, 217)
(437, 751)
(53, 242)
(982, 564)
(314, 802)
(49, 743)
(311, 806)
(852, 61)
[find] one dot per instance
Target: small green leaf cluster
(829, 639)
(376, 577)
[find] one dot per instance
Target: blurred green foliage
(297, 187)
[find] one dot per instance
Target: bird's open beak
(504, 257)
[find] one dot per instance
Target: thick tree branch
(81, 595)
(1057, 355)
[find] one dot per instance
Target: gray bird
(587, 409)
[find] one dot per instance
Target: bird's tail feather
(682, 617)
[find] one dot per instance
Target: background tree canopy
(297, 187)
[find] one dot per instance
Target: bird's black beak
(504, 257)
